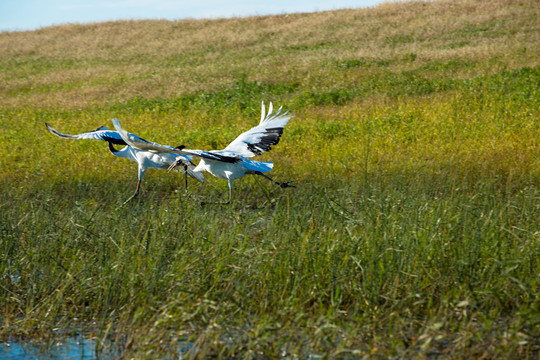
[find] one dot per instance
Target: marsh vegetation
(415, 147)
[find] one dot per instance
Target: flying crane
(144, 158)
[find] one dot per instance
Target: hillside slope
(287, 56)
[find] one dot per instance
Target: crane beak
(174, 164)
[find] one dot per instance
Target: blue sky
(33, 14)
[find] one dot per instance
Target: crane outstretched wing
(141, 144)
(101, 133)
(114, 137)
(261, 137)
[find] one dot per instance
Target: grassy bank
(413, 230)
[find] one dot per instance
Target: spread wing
(101, 133)
(138, 143)
(141, 144)
(260, 138)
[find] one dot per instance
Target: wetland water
(73, 348)
(77, 347)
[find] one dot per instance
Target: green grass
(413, 231)
(400, 264)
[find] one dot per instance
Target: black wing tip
(54, 131)
(265, 143)
(180, 147)
(227, 159)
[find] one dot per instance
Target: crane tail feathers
(196, 175)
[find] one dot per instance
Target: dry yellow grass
(106, 65)
(82, 65)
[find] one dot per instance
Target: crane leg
(283, 184)
(135, 194)
(230, 193)
(185, 175)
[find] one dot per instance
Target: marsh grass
(322, 270)
(413, 230)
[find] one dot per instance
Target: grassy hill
(343, 55)
(413, 231)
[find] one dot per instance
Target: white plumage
(144, 158)
(232, 162)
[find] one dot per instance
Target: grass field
(413, 231)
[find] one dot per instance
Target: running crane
(144, 158)
(231, 163)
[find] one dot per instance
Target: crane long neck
(112, 149)
(127, 152)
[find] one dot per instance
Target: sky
(20, 15)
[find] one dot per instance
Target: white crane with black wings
(232, 162)
(144, 158)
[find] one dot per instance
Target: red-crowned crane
(230, 163)
(144, 158)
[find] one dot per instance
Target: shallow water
(76, 347)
